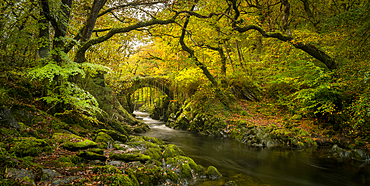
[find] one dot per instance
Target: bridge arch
(159, 83)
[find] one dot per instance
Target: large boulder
(115, 135)
(104, 140)
(73, 142)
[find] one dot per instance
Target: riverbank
(39, 149)
(260, 124)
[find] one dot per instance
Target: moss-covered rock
(121, 155)
(170, 175)
(154, 140)
(119, 179)
(212, 173)
(149, 175)
(103, 139)
(106, 169)
(73, 142)
(115, 135)
(140, 128)
(185, 170)
(97, 151)
(27, 146)
(154, 153)
(172, 151)
(91, 155)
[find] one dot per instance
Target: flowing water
(259, 166)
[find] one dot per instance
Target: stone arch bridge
(159, 83)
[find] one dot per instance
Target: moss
(119, 179)
(120, 155)
(212, 173)
(9, 132)
(103, 139)
(154, 140)
(172, 151)
(171, 175)
(91, 155)
(185, 170)
(143, 144)
(97, 151)
(115, 135)
(106, 169)
(27, 146)
(120, 127)
(141, 127)
(73, 142)
(149, 175)
(154, 153)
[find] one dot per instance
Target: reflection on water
(258, 166)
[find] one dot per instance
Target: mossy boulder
(106, 169)
(154, 140)
(115, 135)
(185, 170)
(120, 179)
(91, 155)
(149, 175)
(97, 151)
(172, 151)
(212, 173)
(73, 142)
(121, 155)
(154, 153)
(140, 128)
(103, 140)
(170, 175)
(27, 146)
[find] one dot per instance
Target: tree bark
(192, 54)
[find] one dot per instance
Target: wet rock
(91, 155)
(27, 146)
(7, 119)
(27, 177)
(73, 142)
(339, 153)
(212, 173)
(358, 155)
(121, 155)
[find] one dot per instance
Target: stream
(258, 166)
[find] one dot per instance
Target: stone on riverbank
(73, 142)
(212, 173)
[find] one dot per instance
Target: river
(259, 166)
